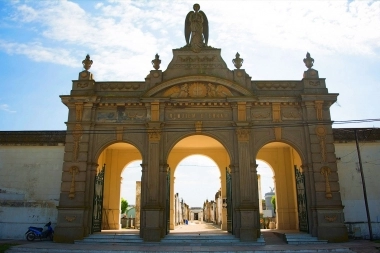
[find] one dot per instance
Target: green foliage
(6, 246)
(124, 205)
(273, 201)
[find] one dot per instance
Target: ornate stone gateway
(197, 95)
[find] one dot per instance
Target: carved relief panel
(121, 114)
(198, 90)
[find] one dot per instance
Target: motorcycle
(36, 232)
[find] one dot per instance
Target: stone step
(110, 238)
(95, 249)
(208, 240)
(301, 238)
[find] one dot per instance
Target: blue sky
(42, 45)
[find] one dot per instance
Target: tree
(273, 201)
(124, 205)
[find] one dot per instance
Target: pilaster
(248, 206)
(152, 209)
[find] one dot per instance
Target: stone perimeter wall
(30, 180)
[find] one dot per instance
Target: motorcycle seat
(39, 229)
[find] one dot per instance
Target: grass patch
(5, 246)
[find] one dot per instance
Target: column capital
(243, 134)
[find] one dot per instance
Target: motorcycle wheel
(51, 236)
(30, 236)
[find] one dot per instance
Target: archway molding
(204, 78)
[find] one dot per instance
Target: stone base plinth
(248, 235)
(152, 235)
(68, 234)
(333, 234)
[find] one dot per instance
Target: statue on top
(196, 25)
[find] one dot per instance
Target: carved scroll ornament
(321, 133)
(154, 134)
(73, 171)
(77, 134)
(197, 89)
(326, 171)
(243, 134)
(70, 218)
(331, 218)
(78, 111)
(319, 109)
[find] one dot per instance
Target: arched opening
(131, 195)
(198, 157)
(265, 177)
(197, 187)
(115, 159)
(284, 161)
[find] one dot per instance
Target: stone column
(152, 208)
(172, 201)
(248, 207)
(163, 194)
(138, 204)
(223, 195)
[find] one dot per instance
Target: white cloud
(123, 36)
(39, 53)
(6, 108)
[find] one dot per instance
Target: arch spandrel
(202, 86)
(175, 139)
(269, 137)
(104, 143)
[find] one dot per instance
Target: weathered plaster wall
(351, 185)
(30, 181)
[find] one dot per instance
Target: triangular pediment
(198, 87)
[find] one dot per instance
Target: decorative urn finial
(87, 62)
(156, 62)
(238, 62)
(308, 61)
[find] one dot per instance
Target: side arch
(271, 139)
(285, 160)
(101, 146)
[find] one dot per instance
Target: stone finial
(310, 72)
(85, 74)
(238, 62)
(156, 62)
(308, 61)
(87, 62)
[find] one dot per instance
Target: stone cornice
(55, 138)
(32, 138)
(364, 134)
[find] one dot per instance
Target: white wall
(30, 183)
(351, 187)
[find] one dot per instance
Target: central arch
(201, 145)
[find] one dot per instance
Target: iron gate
(228, 201)
(168, 201)
(301, 200)
(98, 201)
